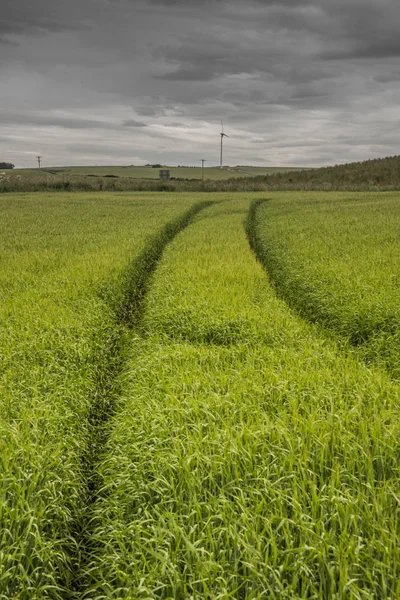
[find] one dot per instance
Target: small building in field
(165, 174)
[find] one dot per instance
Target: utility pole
(203, 160)
(39, 160)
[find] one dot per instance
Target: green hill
(152, 172)
(374, 175)
(379, 174)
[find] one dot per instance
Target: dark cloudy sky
(297, 82)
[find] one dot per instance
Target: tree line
(6, 165)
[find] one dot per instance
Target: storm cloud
(305, 82)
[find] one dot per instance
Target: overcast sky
(297, 82)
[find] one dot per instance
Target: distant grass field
(172, 426)
(212, 173)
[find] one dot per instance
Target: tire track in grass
(249, 457)
(303, 305)
(135, 284)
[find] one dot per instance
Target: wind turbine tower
(222, 139)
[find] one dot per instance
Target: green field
(335, 259)
(62, 280)
(380, 174)
(138, 179)
(212, 173)
(188, 407)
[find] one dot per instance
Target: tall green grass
(250, 457)
(335, 259)
(66, 276)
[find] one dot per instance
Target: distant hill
(151, 172)
(379, 173)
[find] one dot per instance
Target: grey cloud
(385, 48)
(389, 77)
(206, 58)
(305, 93)
(22, 17)
(291, 3)
(133, 123)
(173, 3)
(287, 77)
(26, 17)
(338, 30)
(7, 42)
(191, 72)
(363, 29)
(35, 119)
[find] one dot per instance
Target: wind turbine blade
(222, 127)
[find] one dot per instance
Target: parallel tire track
(306, 311)
(136, 281)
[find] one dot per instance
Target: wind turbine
(222, 138)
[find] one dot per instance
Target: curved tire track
(136, 281)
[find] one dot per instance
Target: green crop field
(62, 274)
(336, 260)
(199, 396)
